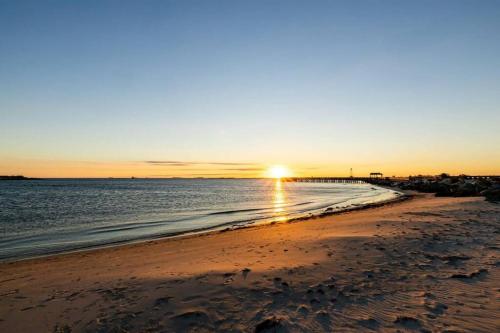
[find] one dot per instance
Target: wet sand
(426, 265)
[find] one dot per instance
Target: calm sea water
(46, 216)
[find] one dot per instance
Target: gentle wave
(237, 211)
(51, 216)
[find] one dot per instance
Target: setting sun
(278, 171)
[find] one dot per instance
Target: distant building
(376, 175)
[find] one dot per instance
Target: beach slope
(426, 264)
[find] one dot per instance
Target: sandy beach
(426, 264)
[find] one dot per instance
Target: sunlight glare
(278, 171)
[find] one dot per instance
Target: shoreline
(426, 263)
(226, 227)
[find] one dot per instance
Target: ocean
(39, 217)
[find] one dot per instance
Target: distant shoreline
(376, 181)
(18, 177)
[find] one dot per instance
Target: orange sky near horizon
(159, 169)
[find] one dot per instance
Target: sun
(278, 171)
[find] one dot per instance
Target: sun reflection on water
(279, 199)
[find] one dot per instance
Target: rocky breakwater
(451, 186)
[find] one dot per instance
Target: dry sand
(427, 265)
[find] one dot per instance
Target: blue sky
(100, 87)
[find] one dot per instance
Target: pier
(338, 180)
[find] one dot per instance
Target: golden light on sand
(278, 171)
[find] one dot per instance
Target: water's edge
(226, 227)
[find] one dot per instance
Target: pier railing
(340, 180)
(383, 180)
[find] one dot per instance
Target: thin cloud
(188, 163)
(223, 175)
(172, 163)
(243, 169)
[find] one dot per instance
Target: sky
(229, 88)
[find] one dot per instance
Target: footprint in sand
(271, 324)
(408, 322)
(245, 272)
(472, 276)
(192, 321)
(303, 310)
(369, 323)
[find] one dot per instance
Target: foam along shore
(426, 264)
